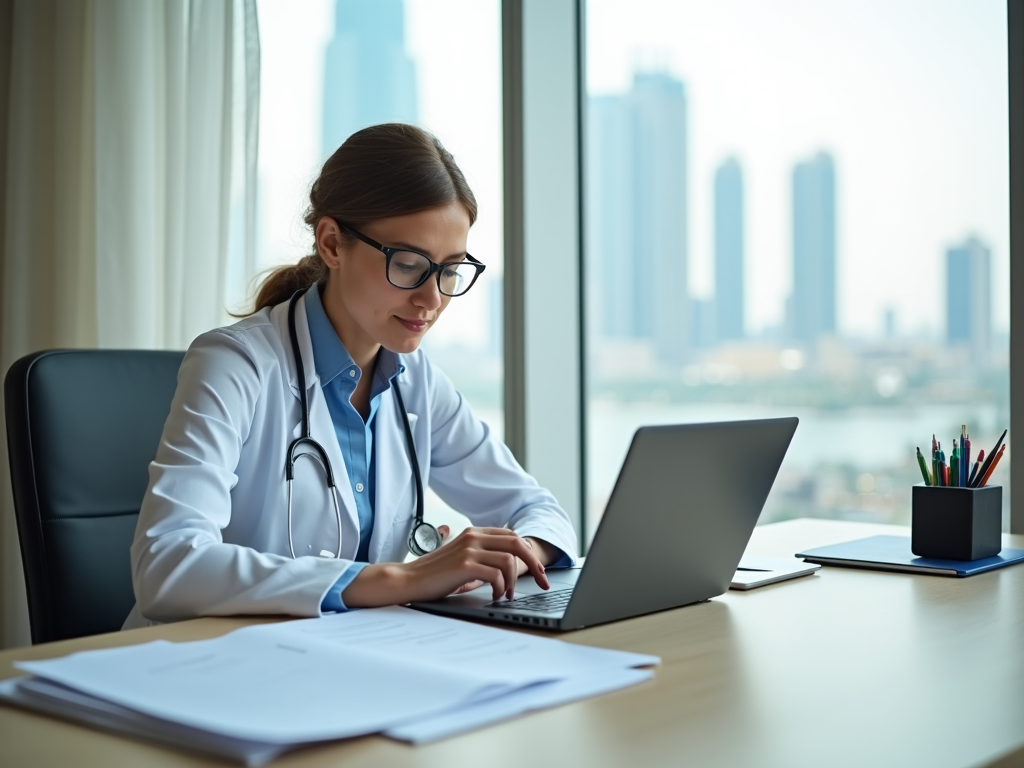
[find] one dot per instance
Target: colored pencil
(965, 455)
(924, 468)
(954, 466)
(991, 469)
(974, 471)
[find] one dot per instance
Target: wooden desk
(843, 668)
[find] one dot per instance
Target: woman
(223, 531)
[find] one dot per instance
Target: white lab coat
(212, 536)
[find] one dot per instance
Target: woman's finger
(488, 574)
(521, 549)
(507, 564)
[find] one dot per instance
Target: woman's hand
(546, 553)
(485, 555)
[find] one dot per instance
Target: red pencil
(992, 466)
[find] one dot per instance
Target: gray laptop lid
(685, 503)
(682, 510)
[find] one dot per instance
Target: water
(824, 470)
(865, 438)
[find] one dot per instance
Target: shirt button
(352, 373)
(359, 487)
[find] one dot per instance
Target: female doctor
(284, 481)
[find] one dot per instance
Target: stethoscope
(424, 537)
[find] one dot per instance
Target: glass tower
(368, 77)
(729, 250)
(813, 306)
(968, 297)
(637, 224)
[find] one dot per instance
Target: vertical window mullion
(543, 384)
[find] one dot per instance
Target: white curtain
(128, 137)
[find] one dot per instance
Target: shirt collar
(330, 356)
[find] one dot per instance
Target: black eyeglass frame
(435, 268)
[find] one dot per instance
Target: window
(332, 67)
(801, 209)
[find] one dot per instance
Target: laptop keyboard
(545, 602)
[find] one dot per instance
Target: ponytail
(281, 283)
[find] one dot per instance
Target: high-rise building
(368, 76)
(660, 226)
(609, 235)
(637, 228)
(969, 297)
(814, 249)
(729, 250)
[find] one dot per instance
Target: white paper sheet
(529, 699)
(257, 691)
(53, 699)
(271, 688)
(514, 658)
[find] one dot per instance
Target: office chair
(82, 427)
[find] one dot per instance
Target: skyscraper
(729, 250)
(969, 297)
(814, 249)
(609, 236)
(368, 77)
(660, 228)
(637, 214)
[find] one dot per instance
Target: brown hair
(385, 170)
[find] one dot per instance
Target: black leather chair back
(82, 427)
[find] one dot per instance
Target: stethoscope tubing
(306, 439)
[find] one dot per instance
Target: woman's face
(363, 306)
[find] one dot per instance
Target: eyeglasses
(411, 269)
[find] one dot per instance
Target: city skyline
(636, 206)
(913, 254)
(918, 132)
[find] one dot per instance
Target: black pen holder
(957, 523)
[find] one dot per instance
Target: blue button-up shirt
(338, 378)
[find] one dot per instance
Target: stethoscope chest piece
(423, 538)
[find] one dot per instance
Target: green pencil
(924, 468)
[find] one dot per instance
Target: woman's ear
(329, 241)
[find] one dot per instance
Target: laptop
(680, 515)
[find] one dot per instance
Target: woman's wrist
(377, 585)
(547, 553)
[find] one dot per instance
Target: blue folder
(892, 553)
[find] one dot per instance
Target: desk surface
(843, 668)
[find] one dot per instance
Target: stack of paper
(259, 691)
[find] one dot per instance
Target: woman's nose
(428, 295)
